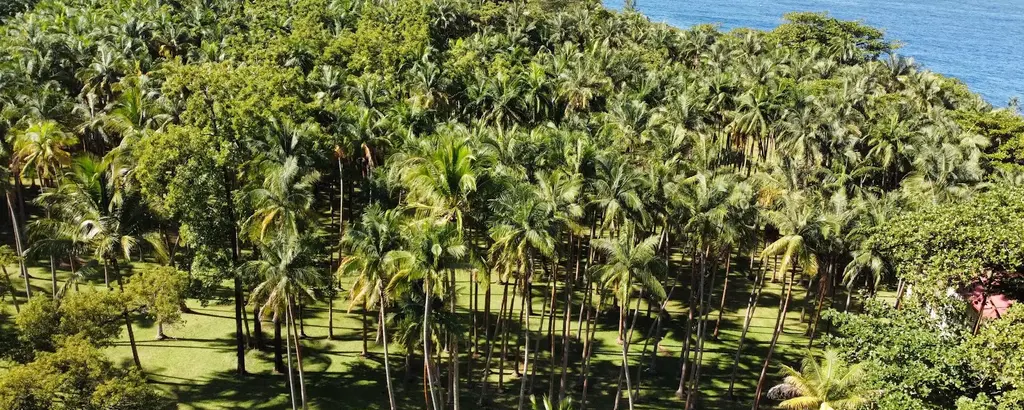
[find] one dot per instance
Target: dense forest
(495, 204)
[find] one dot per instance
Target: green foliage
(998, 349)
(160, 291)
(77, 376)
(853, 40)
(1004, 128)
(38, 323)
(951, 245)
(227, 137)
(92, 316)
(831, 383)
(914, 364)
(387, 37)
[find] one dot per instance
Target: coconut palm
(828, 384)
(283, 203)
(434, 251)
(630, 265)
(440, 177)
(42, 147)
(370, 245)
(108, 228)
(522, 234)
(286, 271)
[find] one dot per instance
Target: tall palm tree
(523, 233)
(802, 230)
(371, 244)
(829, 384)
(286, 269)
(433, 253)
(110, 226)
(630, 265)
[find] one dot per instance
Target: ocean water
(978, 41)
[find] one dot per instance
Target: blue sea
(978, 41)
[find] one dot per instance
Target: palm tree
(523, 233)
(19, 251)
(801, 231)
(433, 253)
(801, 228)
(107, 225)
(371, 245)
(43, 148)
(831, 384)
(440, 177)
(286, 270)
(630, 265)
(282, 204)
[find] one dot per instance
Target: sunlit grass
(195, 367)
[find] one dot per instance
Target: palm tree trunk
(127, 318)
(341, 236)
(257, 326)
(387, 363)
(551, 326)
(53, 276)
(490, 337)
(365, 329)
(685, 355)
(453, 347)
(474, 307)
(278, 360)
(566, 326)
(330, 307)
(288, 352)
(298, 354)
(755, 294)
(505, 333)
(75, 278)
(588, 347)
(248, 334)
(725, 290)
(10, 287)
(434, 395)
(625, 352)
(701, 338)
(18, 247)
(775, 339)
(812, 326)
(526, 339)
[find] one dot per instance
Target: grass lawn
(196, 365)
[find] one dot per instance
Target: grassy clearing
(196, 366)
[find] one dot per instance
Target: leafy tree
(92, 316)
(76, 376)
(160, 292)
(953, 245)
(910, 361)
(996, 351)
(851, 41)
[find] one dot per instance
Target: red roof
(996, 306)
